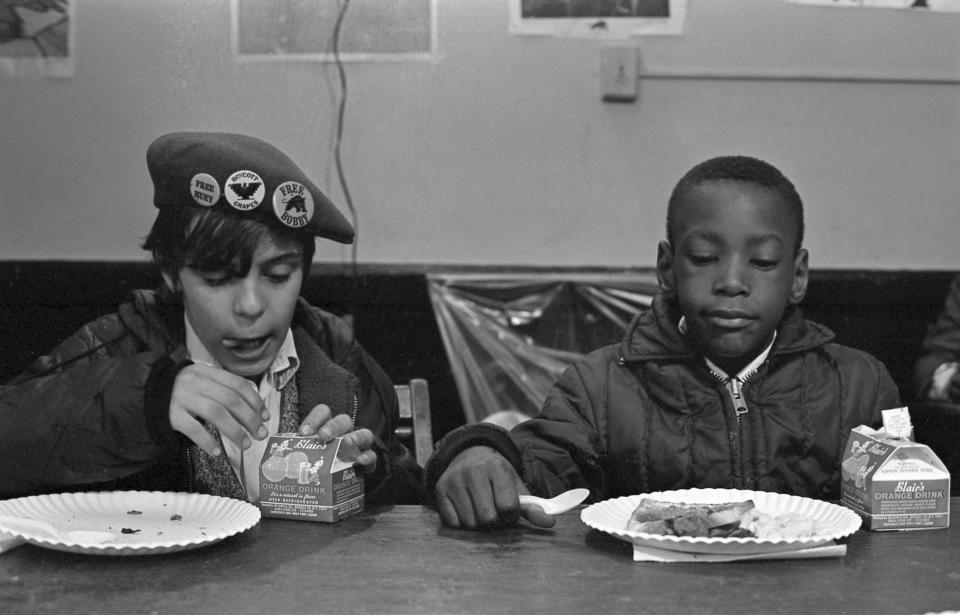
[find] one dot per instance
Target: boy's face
(733, 269)
(242, 321)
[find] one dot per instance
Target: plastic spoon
(24, 525)
(557, 504)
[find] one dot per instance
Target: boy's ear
(665, 272)
(801, 276)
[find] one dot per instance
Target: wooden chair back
(415, 429)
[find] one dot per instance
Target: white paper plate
(143, 522)
(833, 521)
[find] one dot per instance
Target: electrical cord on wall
(341, 112)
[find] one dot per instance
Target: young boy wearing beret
(721, 383)
(179, 389)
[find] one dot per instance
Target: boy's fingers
(317, 417)
(361, 438)
(337, 426)
(505, 487)
(224, 418)
(238, 418)
(189, 427)
(535, 515)
(482, 488)
(460, 507)
(367, 459)
(243, 400)
(448, 512)
(230, 402)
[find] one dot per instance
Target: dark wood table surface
(401, 560)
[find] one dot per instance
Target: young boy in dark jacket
(179, 388)
(721, 383)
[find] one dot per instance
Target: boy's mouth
(245, 347)
(729, 319)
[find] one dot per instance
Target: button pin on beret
(244, 190)
(239, 173)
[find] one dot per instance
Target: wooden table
(401, 560)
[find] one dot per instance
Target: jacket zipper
(353, 417)
(190, 470)
(734, 388)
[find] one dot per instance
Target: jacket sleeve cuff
(156, 399)
(462, 438)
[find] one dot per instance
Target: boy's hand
(225, 400)
(480, 489)
(328, 427)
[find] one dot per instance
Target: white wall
(500, 151)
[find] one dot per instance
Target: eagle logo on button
(244, 190)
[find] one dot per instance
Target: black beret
(243, 175)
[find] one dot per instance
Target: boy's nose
(248, 301)
(733, 280)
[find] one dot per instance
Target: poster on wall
(597, 18)
(946, 6)
(36, 38)
(364, 30)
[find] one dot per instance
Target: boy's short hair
(213, 240)
(736, 168)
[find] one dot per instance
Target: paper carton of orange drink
(302, 478)
(894, 483)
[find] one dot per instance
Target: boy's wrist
(462, 438)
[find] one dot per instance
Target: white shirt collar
(744, 373)
(281, 370)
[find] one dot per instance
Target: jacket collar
(653, 334)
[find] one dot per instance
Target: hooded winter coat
(647, 414)
(94, 413)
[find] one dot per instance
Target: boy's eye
(217, 279)
(702, 259)
(278, 277)
(765, 263)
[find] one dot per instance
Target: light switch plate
(619, 66)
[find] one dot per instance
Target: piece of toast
(660, 517)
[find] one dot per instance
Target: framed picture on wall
(36, 38)
(597, 18)
(325, 30)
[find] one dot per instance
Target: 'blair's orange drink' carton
(302, 478)
(893, 482)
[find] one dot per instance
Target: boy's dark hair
(736, 168)
(212, 240)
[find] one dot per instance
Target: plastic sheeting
(509, 336)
